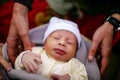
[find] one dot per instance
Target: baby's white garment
(49, 66)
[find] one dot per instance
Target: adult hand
(31, 62)
(102, 38)
(3, 62)
(18, 30)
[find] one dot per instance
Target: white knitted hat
(62, 24)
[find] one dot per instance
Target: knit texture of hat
(62, 24)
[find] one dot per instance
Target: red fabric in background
(87, 24)
(38, 6)
(5, 16)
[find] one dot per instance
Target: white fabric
(62, 24)
(74, 67)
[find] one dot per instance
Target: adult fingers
(26, 41)
(105, 59)
(11, 42)
(104, 64)
(31, 62)
(3, 62)
(31, 67)
(38, 59)
(106, 52)
(93, 48)
(11, 49)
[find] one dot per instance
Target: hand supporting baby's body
(31, 62)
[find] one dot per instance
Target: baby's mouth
(59, 51)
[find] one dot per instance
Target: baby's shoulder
(37, 49)
(75, 61)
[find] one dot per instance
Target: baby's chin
(60, 58)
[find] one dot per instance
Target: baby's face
(61, 45)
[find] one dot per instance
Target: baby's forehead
(64, 33)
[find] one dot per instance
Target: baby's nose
(62, 42)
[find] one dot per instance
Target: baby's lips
(59, 51)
